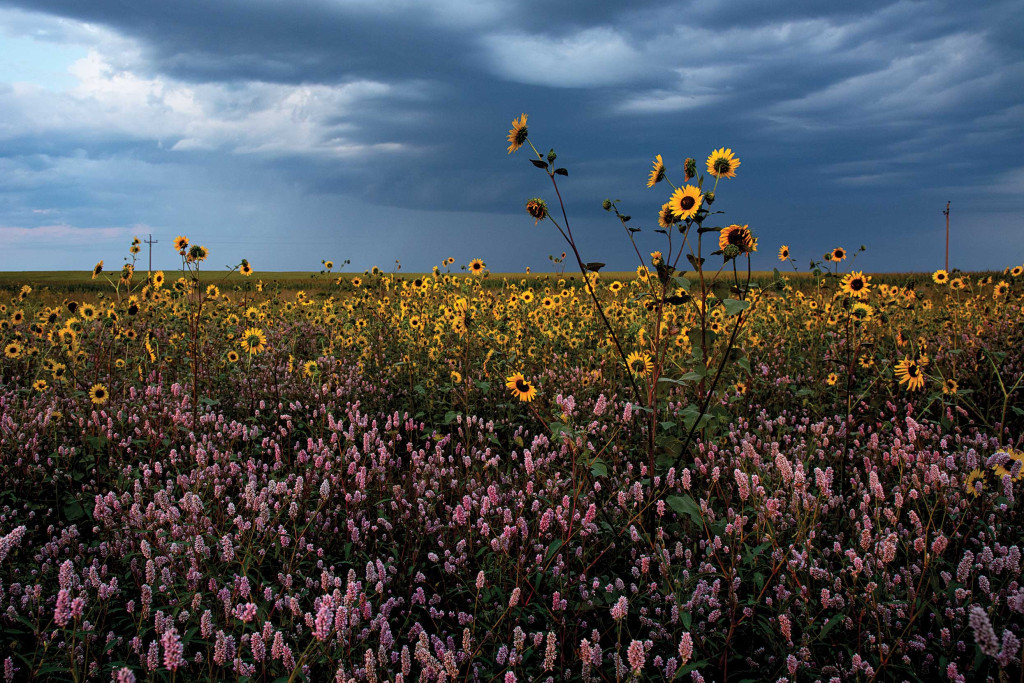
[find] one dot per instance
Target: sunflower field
(679, 474)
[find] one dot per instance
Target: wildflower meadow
(690, 472)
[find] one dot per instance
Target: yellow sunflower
(98, 394)
(97, 269)
(950, 387)
(738, 236)
(476, 266)
(657, 173)
(832, 379)
(940, 277)
(253, 341)
(245, 269)
(783, 252)
(722, 163)
(517, 136)
(180, 243)
(640, 363)
(975, 482)
(685, 202)
(666, 218)
(39, 385)
(12, 350)
(856, 284)
(909, 372)
(838, 254)
(520, 388)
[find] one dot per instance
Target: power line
(151, 242)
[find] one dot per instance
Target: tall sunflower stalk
(687, 207)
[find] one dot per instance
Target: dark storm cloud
(850, 119)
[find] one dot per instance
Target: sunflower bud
(731, 251)
(606, 205)
(537, 208)
(690, 169)
(552, 156)
(709, 198)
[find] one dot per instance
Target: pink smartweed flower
(174, 651)
(62, 611)
(637, 656)
(685, 648)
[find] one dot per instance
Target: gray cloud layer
(373, 130)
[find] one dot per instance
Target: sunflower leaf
(561, 171)
(595, 266)
(735, 306)
(539, 164)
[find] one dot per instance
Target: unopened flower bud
(709, 198)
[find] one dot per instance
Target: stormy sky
(287, 132)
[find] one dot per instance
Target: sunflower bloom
(98, 394)
(253, 341)
(975, 482)
(685, 202)
(180, 244)
(476, 266)
(856, 284)
(738, 236)
(97, 269)
(783, 252)
(517, 136)
(722, 163)
(657, 173)
(909, 372)
(940, 277)
(520, 388)
(640, 363)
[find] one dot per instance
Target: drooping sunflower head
(722, 163)
(738, 236)
(657, 173)
(538, 209)
(97, 269)
(518, 134)
(685, 202)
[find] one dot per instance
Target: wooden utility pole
(947, 236)
(152, 241)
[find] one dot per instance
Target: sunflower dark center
(522, 386)
(856, 284)
(686, 203)
(737, 237)
(912, 370)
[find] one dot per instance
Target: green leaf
(561, 171)
(450, 416)
(598, 468)
(735, 306)
(686, 505)
(553, 548)
(483, 386)
(539, 164)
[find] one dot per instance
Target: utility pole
(947, 236)
(152, 241)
